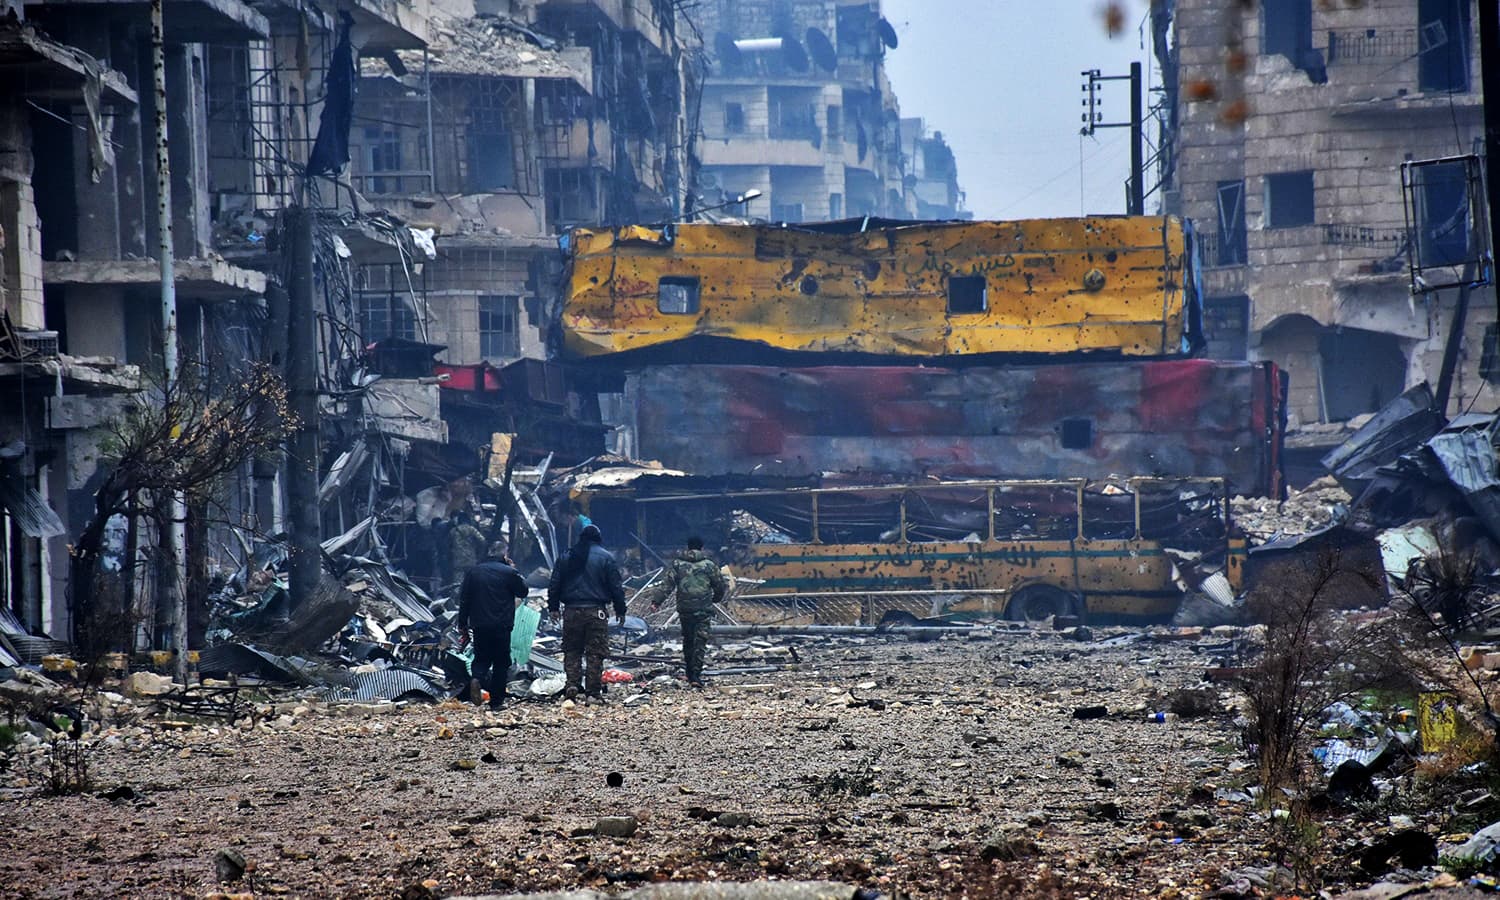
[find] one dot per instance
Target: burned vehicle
(1119, 550)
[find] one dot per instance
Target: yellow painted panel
(1053, 286)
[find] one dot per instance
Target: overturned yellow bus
(1119, 285)
(1123, 550)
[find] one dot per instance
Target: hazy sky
(999, 79)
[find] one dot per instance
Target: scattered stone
(732, 820)
(147, 684)
(464, 765)
(230, 865)
(615, 826)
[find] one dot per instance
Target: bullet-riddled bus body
(1122, 286)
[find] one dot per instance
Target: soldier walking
(465, 543)
(487, 610)
(699, 584)
(585, 582)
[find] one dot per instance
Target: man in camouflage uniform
(465, 544)
(699, 584)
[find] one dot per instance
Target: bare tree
(174, 439)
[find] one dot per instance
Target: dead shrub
(1193, 703)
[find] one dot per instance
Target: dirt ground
(944, 768)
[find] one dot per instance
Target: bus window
(1183, 514)
(1038, 512)
(859, 517)
(1108, 513)
(677, 296)
(947, 514)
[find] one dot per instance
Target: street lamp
(742, 198)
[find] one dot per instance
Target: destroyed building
(244, 92)
(1288, 124)
(797, 105)
(931, 173)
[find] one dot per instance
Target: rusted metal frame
(816, 537)
(923, 592)
(876, 488)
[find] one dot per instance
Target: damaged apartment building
(520, 121)
(245, 84)
(439, 150)
(797, 106)
(1292, 121)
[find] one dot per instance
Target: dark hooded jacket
(597, 582)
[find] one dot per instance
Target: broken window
(385, 295)
(1076, 434)
(1233, 248)
(793, 117)
(572, 196)
(1289, 199)
(1489, 358)
(385, 315)
(967, 294)
(1442, 198)
(1184, 515)
(1443, 45)
(947, 514)
(786, 212)
(382, 154)
(1036, 512)
(499, 326)
(1108, 513)
(1286, 27)
(859, 518)
(734, 118)
(491, 164)
(677, 296)
(835, 122)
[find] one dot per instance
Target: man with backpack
(699, 584)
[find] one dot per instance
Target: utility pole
(170, 588)
(304, 520)
(1489, 58)
(1093, 119)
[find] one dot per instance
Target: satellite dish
(821, 50)
(792, 54)
(729, 55)
(887, 32)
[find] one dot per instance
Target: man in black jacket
(487, 606)
(585, 582)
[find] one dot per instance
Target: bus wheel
(1038, 602)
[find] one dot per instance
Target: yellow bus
(1120, 285)
(1118, 550)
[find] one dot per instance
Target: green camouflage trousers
(585, 640)
(694, 640)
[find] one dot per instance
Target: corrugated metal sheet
(27, 507)
(1120, 284)
(389, 684)
(32, 649)
(1175, 418)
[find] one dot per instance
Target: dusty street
(927, 769)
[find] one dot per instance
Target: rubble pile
(867, 764)
(1303, 511)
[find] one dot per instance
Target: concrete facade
(507, 142)
(797, 105)
(1288, 152)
